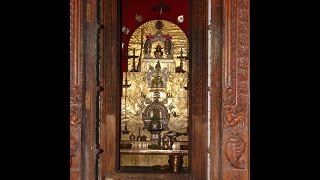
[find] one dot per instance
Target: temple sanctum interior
(159, 89)
(155, 100)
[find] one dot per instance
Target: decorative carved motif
(156, 105)
(75, 94)
(236, 95)
(234, 148)
(108, 52)
(75, 116)
(75, 138)
(229, 97)
(243, 54)
(75, 119)
(234, 119)
(235, 92)
(75, 78)
(199, 61)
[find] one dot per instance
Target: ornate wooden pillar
(199, 89)
(230, 113)
(76, 90)
(83, 84)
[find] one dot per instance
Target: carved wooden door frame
(229, 88)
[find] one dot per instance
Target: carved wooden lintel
(75, 119)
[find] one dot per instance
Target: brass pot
(175, 162)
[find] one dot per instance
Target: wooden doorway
(110, 81)
(94, 90)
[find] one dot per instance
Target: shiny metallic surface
(142, 92)
(179, 40)
(175, 162)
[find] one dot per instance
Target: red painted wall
(144, 8)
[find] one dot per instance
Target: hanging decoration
(125, 30)
(161, 7)
(138, 18)
(180, 19)
(134, 14)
